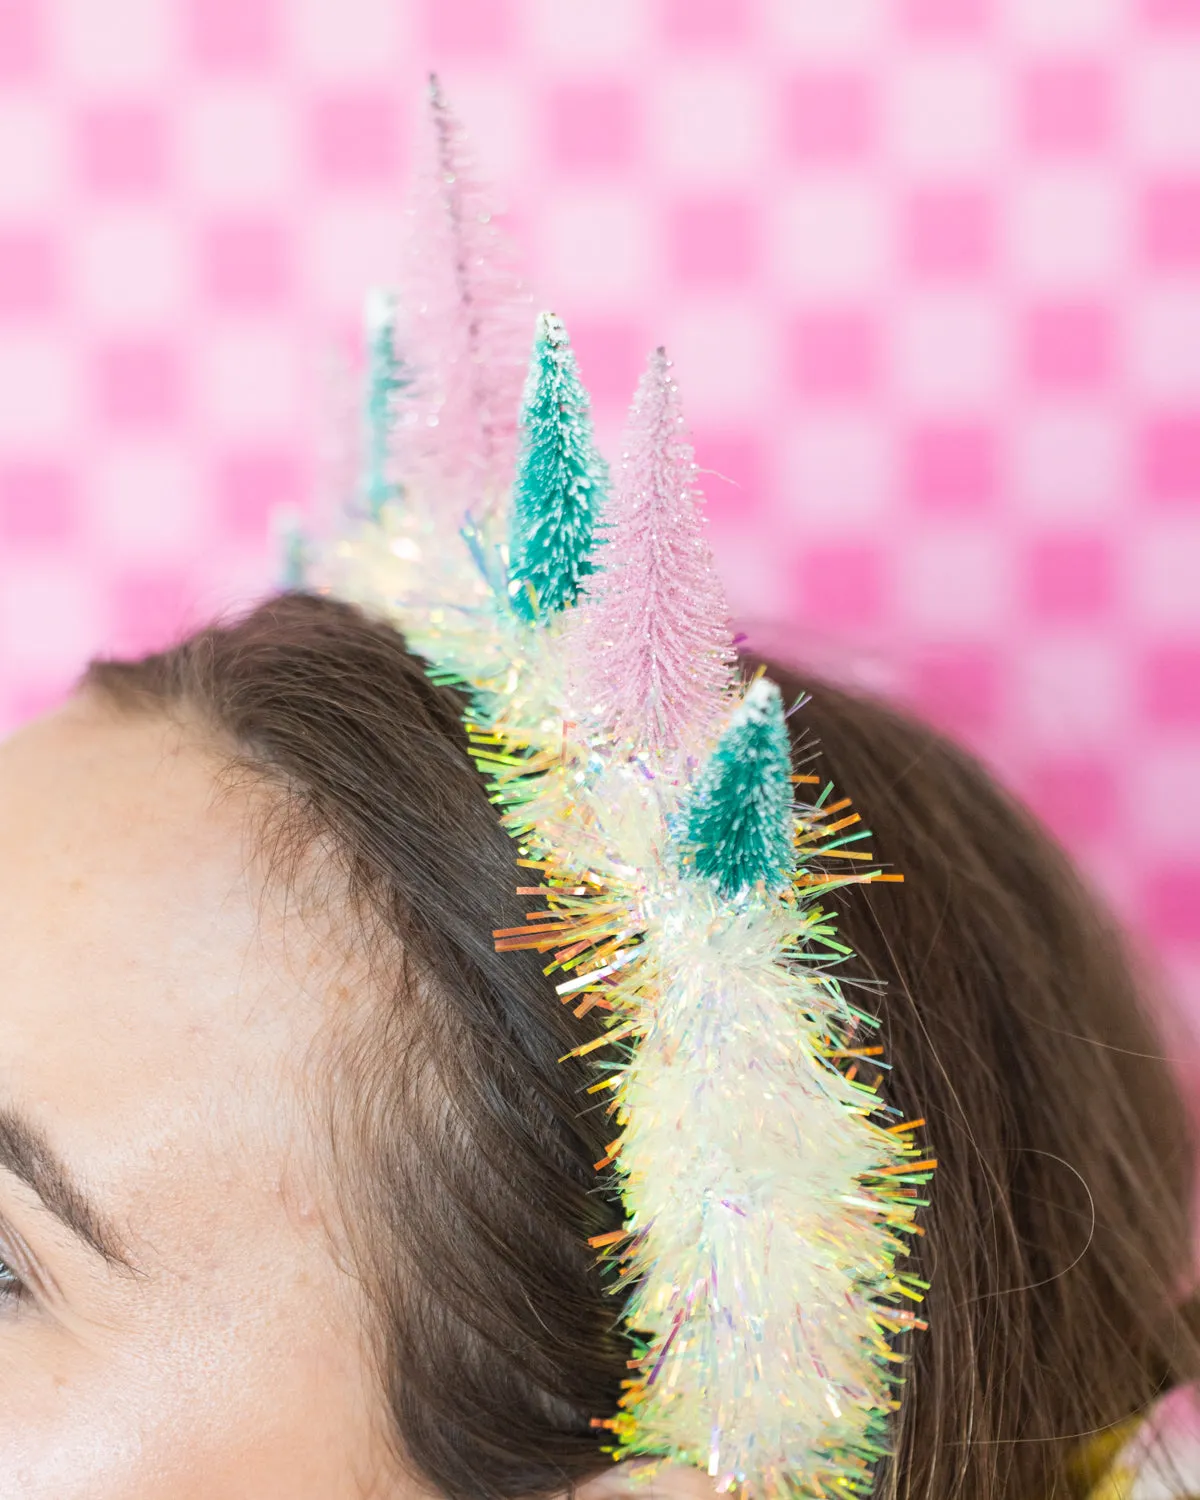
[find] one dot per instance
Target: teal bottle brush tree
(385, 379)
(561, 482)
(738, 824)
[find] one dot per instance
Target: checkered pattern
(930, 271)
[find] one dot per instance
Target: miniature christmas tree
(466, 321)
(739, 827)
(653, 646)
(561, 482)
(291, 548)
(385, 380)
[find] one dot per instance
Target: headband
(678, 865)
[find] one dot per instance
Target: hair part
(1058, 1245)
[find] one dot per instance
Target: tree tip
(762, 699)
(551, 329)
(379, 308)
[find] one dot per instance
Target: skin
(196, 1334)
(159, 1019)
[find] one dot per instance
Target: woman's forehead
(108, 790)
(157, 1002)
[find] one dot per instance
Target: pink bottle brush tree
(652, 646)
(464, 334)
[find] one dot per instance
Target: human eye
(12, 1288)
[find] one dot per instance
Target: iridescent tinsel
(680, 881)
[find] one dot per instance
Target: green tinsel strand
(385, 379)
(561, 482)
(739, 828)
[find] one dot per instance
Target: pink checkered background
(929, 269)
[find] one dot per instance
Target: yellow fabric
(1096, 1469)
(1108, 1467)
(1116, 1484)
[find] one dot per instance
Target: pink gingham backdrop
(929, 269)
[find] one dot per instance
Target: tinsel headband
(678, 864)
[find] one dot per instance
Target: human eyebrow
(26, 1153)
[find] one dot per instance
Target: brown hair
(1058, 1241)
